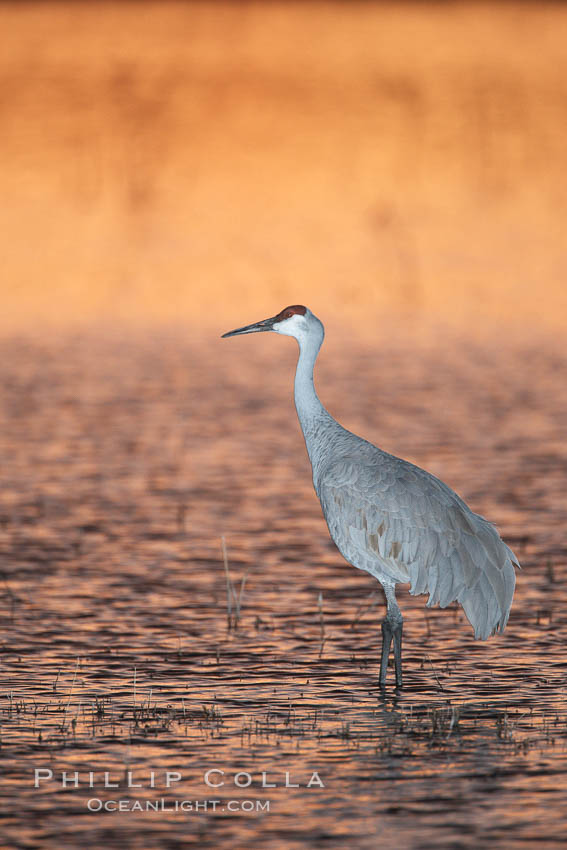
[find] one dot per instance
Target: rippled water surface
(127, 456)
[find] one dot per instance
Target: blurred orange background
(210, 162)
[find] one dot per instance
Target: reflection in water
(125, 460)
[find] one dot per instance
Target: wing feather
(403, 524)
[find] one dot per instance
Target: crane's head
(296, 321)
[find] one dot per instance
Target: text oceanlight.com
(177, 784)
(163, 805)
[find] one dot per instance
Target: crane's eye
(288, 314)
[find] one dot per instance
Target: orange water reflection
(126, 458)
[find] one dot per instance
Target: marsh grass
(382, 725)
(233, 600)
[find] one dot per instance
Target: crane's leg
(391, 630)
(386, 644)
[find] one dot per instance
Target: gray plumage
(392, 518)
(402, 524)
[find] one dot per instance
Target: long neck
(313, 417)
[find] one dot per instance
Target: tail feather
(479, 574)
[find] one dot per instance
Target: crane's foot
(391, 631)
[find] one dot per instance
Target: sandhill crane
(391, 518)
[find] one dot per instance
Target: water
(126, 457)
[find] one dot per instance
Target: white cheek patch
(289, 327)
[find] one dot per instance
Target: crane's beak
(264, 325)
